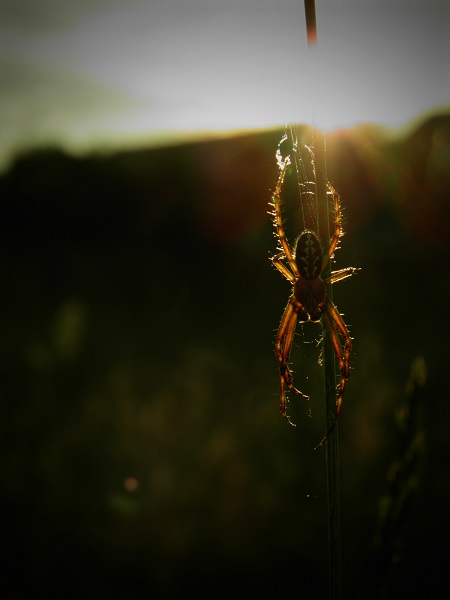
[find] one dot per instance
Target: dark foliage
(143, 450)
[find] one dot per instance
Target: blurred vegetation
(143, 450)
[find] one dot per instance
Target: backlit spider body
(309, 288)
(304, 267)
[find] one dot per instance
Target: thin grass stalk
(329, 361)
(329, 367)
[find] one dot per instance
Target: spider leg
(283, 347)
(335, 324)
(276, 261)
(338, 230)
(341, 274)
(278, 223)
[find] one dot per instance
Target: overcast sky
(101, 72)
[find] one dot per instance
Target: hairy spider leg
(278, 223)
(341, 274)
(338, 224)
(283, 347)
(334, 324)
(276, 261)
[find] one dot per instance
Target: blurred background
(144, 454)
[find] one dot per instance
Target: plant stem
(329, 361)
(329, 365)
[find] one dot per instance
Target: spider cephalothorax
(304, 267)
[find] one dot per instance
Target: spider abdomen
(308, 255)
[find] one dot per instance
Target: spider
(303, 268)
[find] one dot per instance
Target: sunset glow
(108, 74)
